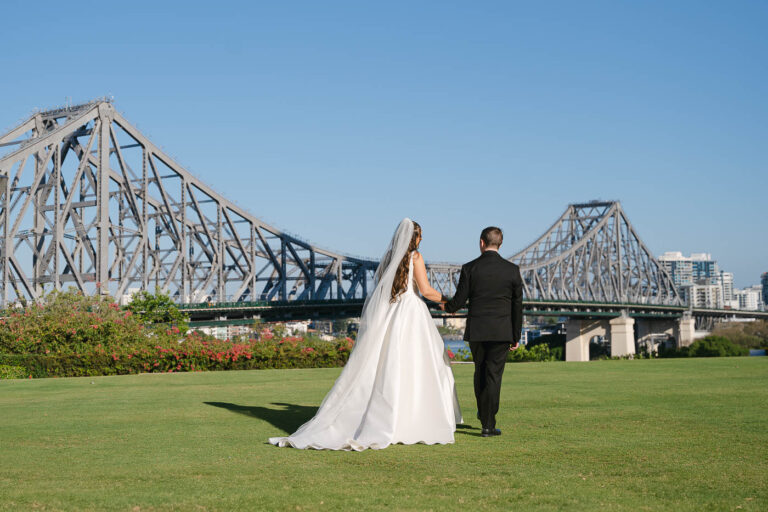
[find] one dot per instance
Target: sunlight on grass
(618, 435)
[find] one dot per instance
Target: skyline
(335, 122)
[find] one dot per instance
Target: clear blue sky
(334, 120)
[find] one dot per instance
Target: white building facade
(726, 283)
(749, 298)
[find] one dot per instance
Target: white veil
(377, 303)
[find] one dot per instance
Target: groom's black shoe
(490, 432)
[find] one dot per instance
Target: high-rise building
(695, 277)
(764, 281)
(679, 267)
(704, 269)
(758, 291)
(699, 268)
(726, 283)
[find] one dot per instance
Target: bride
(397, 386)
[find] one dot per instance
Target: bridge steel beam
(591, 253)
(89, 201)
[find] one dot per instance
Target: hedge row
(190, 355)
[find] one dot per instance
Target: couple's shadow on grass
(286, 417)
(289, 417)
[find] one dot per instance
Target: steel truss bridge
(87, 200)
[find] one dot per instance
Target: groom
(495, 291)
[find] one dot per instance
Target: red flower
(451, 355)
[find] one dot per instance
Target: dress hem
(284, 442)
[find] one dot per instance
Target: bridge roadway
(233, 313)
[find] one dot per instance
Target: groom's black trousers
(490, 358)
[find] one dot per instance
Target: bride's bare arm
(420, 275)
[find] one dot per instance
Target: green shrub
(522, 354)
(671, 352)
(555, 342)
(716, 346)
(12, 372)
(710, 346)
(157, 308)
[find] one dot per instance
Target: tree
(746, 334)
(340, 325)
(157, 308)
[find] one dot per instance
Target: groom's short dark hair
(492, 236)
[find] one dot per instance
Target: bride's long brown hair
(400, 282)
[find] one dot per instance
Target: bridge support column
(622, 336)
(577, 336)
(684, 333)
(652, 332)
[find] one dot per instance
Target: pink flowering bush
(75, 335)
(193, 353)
(69, 323)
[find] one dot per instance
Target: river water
(455, 344)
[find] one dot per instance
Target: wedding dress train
(397, 386)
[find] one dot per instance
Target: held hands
(514, 346)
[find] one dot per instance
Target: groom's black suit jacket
(494, 288)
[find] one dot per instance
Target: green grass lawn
(686, 434)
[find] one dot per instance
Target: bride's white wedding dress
(397, 386)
